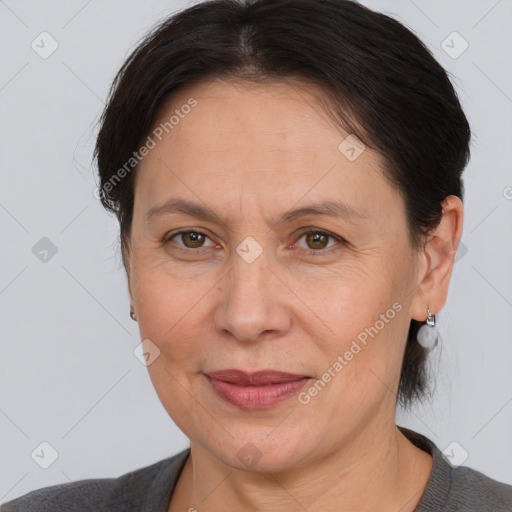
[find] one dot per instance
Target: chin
(258, 451)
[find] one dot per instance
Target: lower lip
(256, 397)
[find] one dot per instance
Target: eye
(190, 239)
(317, 240)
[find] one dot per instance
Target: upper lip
(258, 378)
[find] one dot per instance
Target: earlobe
(439, 252)
(133, 316)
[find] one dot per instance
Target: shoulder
(146, 488)
(456, 488)
(472, 490)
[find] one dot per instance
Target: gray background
(68, 375)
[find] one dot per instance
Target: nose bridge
(250, 304)
(249, 278)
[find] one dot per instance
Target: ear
(437, 259)
(130, 291)
(126, 264)
(128, 278)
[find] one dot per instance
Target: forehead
(271, 140)
(276, 115)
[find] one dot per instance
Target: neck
(377, 470)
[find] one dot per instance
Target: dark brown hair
(382, 84)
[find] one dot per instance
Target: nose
(253, 302)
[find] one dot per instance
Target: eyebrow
(336, 209)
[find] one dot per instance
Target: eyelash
(307, 231)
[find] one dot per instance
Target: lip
(258, 390)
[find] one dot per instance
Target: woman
(287, 178)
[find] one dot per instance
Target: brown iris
(318, 240)
(194, 238)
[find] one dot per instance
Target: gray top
(149, 489)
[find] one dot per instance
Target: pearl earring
(427, 334)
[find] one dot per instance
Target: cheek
(367, 342)
(359, 324)
(170, 312)
(341, 303)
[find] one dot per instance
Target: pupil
(317, 238)
(195, 239)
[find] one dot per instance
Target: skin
(249, 153)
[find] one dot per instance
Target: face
(284, 253)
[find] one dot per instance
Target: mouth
(259, 390)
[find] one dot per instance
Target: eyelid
(302, 232)
(310, 229)
(172, 234)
